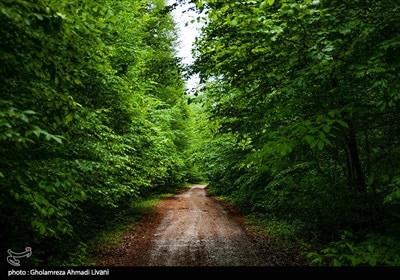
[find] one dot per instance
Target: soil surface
(192, 229)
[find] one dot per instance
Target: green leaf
(326, 128)
(51, 211)
(342, 123)
(42, 228)
(354, 260)
(350, 246)
(24, 118)
(69, 118)
(328, 48)
(310, 139)
(29, 112)
(263, 5)
(336, 263)
(43, 212)
(372, 261)
(27, 21)
(39, 16)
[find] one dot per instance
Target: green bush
(372, 250)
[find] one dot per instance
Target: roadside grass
(278, 229)
(287, 235)
(114, 225)
(224, 199)
(136, 211)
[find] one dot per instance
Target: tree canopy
(304, 100)
(92, 115)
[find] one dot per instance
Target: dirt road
(189, 229)
(198, 231)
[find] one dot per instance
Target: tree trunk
(359, 177)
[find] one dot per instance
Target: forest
(295, 121)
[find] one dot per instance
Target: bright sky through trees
(187, 34)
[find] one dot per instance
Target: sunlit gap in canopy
(188, 29)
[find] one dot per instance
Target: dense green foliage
(297, 120)
(92, 116)
(303, 99)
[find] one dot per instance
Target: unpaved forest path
(192, 229)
